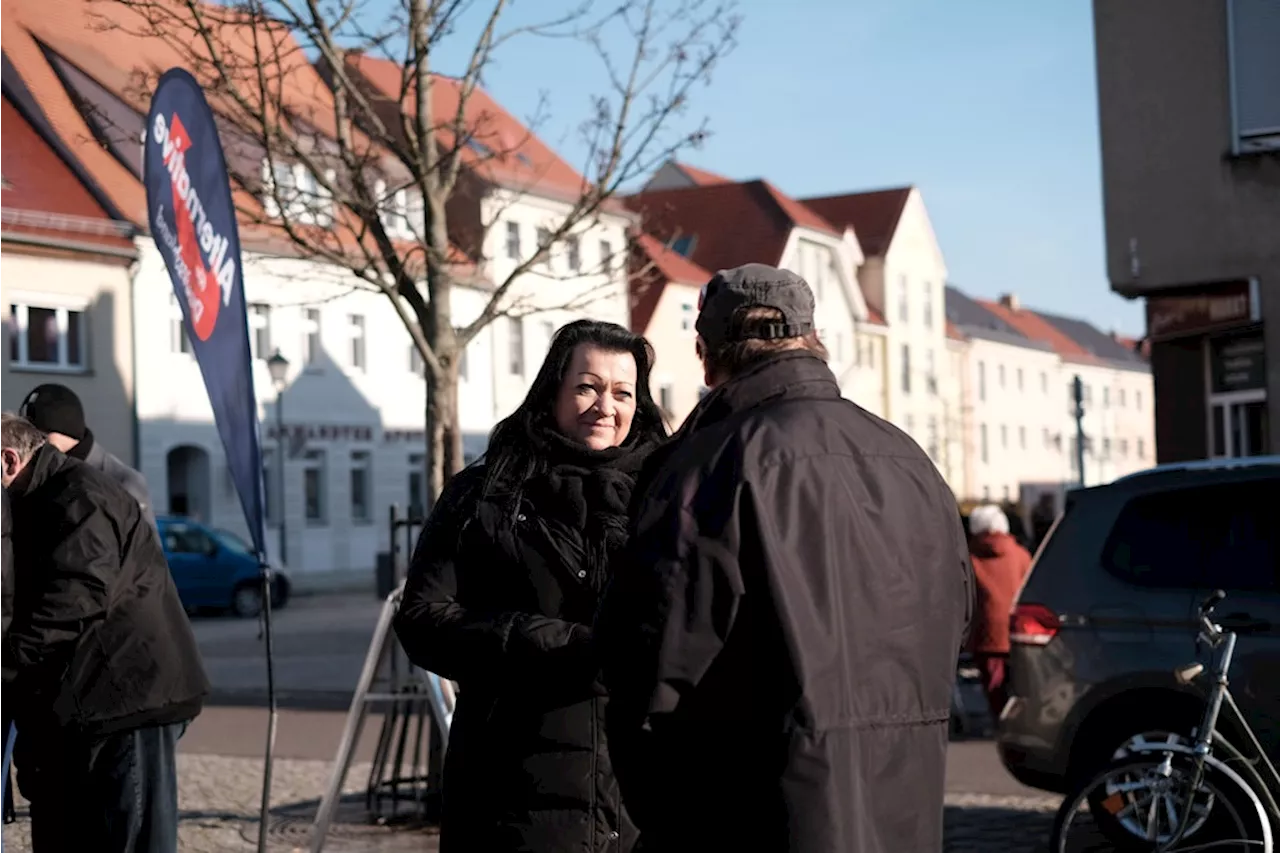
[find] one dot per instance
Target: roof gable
(733, 223)
(873, 216)
(653, 267)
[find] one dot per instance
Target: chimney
(1009, 300)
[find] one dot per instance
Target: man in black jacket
(780, 640)
(107, 673)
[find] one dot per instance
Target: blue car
(215, 569)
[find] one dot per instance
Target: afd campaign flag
(193, 222)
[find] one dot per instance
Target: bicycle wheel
(1147, 796)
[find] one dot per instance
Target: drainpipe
(133, 268)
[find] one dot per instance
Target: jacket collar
(45, 462)
(84, 447)
(794, 375)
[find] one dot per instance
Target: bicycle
(1206, 791)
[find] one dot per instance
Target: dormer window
(400, 211)
(291, 191)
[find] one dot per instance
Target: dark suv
(1108, 612)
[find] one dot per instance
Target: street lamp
(278, 367)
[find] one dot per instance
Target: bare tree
(348, 147)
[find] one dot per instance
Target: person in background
(779, 641)
(502, 590)
(1000, 565)
(106, 672)
(56, 411)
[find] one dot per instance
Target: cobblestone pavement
(218, 798)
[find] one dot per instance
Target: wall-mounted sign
(323, 432)
(1203, 310)
(1238, 363)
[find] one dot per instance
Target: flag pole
(264, 568)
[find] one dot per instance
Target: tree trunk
(443, 432)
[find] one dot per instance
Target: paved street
(321, 644)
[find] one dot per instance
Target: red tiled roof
(701, 177)
(106, 41)
(953, 332)
(653, 267)
(873, 216)
(1034, 327)
(733, 223)
(43, 196)
(516, 157)
(874, 317)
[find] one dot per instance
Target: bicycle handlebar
(1212, 631)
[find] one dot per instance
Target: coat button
(520, 517)
(613, 836)
(582, 573)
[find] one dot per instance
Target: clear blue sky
(989, 107)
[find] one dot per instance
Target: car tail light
(1033, 625)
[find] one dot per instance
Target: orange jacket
(1000, 565)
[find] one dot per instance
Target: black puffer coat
(501, 593)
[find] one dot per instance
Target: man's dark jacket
(99, 641)
(780, 639)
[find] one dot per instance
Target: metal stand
(407, 759)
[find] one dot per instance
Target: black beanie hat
(55, 408)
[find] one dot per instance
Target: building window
(401, 212)
(606, 257)
(1022, 437)
(311, 336)
(515, 343)
(906, 368)
(573, 254)
(930, 374)
(665, 394)
(933, 438)
(313, 486)
(1048, 439)
(1142, 450)
(544, 245)
(361, 484)
(1000, 375)
(926, 309)
(1018, 378)
(260, 330)
(982, 381)
(416, 365)
(1254, 32)
(687, 316)
(1106, 397)
(1044, 382)
(982, 442)
(179, 341)
(1120, 397)
(271, 482)
(42, 336)
(357, 354)
(1124, 448)
(417, 485)
(904, 312)
(292, 191)
(911, 426)
(1004, 437)
(548, 332)
(513, 240)
(1137, 400)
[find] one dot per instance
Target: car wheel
(246, 601)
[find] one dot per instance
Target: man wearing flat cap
(780, 638)
(56, 411)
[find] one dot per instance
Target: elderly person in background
(1000, 565)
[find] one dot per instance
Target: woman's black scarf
(585, 489)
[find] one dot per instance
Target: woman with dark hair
(502, 591)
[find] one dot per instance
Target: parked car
(215, 569)
(1108, 612)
